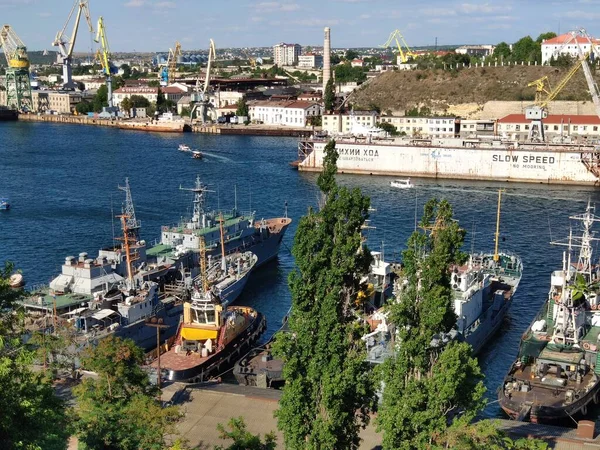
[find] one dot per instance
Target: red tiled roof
(300, 104)
(558, 40)
(172, 90)
(575, 119)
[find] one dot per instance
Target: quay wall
(81, 120)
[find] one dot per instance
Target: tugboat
(197, 155)
(179, 244)
(209, 337)
(557, 371)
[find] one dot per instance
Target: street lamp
(159, 325)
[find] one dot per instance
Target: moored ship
(209, 338)
(454, 158)
(180, 244)
(557, 371)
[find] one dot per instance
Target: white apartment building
(151, 93)
(437, 127)
(476, 50)
(555, 46)
(286, 54)
(173, 93)
(288, 113)
(94, 83)
(577, 127)
(345, 123)
(310, 61)
(62, 102)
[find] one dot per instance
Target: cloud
(164, 5)
(314, 22)
(277, 6)
(584, 15)
(486, 8)
(135, 3)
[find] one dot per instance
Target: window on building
(585, 128)
(517, 127)
(595, 128)
(555, 127)
(575, 128)
(527, 127)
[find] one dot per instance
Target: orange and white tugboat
(210, 337)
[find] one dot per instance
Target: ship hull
(214, 365)
(538, 413)
(487, 329)
(551, 164)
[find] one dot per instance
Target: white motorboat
(184, 148)
(402, 184)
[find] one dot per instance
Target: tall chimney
(326, 59)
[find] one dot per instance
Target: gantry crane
(18, 85)
(103, 55)
(403, 55)
(66, 45)
(200, 97)
(167, 73)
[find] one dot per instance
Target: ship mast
(198, 216)
(203, 275)
(127, 247)
(223, 260)
(497, 239)
(133, 225)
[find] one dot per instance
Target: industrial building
(575, 127)
(480, 51)
(286, 54)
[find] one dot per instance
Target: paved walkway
(207, 406)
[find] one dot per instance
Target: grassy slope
(399, 91)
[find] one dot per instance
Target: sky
(155, 25)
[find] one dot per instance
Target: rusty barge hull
(531, 163)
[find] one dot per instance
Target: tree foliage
(526, 49)
(346, 73)
(32, 417)
(388, 128)
(502, 51)
(329, 97)
(117, 410)
(243, 439)
(101, 98)
(427, 383)
(242, 107)
(328, 391)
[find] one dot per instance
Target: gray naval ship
(179, 244)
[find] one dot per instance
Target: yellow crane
(168, 69)
(103, 55)
(403, 55)
(18, 85)
(66, 44)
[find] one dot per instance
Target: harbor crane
(168, 71)
(200, 96)
(545, 94)
(66, 44)
(103, 55)
(18, 84)
(403, 55)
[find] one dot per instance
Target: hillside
(440, 90)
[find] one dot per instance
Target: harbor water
(62, 183)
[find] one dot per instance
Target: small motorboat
(4, 204)
(184, 148)
(196, 154)
(16, 280)
(402, 184)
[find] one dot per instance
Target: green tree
(502, 51)
(388, 128)
(346, 73)
(545, 36)
(525, 49)
(139, 101)
(31, 415)
(426, 383)
(117, 410)
(126, 70)
(329, 97)
(242, 107)
(126, 104)
(350, 55)
(101, 98)
(328, 392)
(243, 439)
(84, 107)
(153, 83)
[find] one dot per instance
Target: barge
(454, 158)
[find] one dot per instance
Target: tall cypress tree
(327, 395)
(425, 384)
(329, 96)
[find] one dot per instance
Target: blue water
(62, 181)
